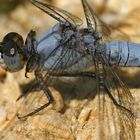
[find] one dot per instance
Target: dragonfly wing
(105, 32)
(117, 106)
(93, 21)
(57, 13)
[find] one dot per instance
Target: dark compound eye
(12, 50)
(15, 37)
(13, 43)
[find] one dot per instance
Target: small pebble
(2, 115)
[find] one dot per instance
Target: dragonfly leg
(74, 74)
(115, 102)
(33, 87)
(50, 99)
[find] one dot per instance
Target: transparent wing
(116, 106)
(115, 100)
(101, 30)
(59, 14)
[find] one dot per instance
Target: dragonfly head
(12, 56)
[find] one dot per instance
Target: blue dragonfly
(67, 50)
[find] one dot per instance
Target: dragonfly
(66, 50)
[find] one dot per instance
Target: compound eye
(12, 50)
(13, 43)
(15, 37)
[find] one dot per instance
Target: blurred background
(21, 16)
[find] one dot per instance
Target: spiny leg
(47, 91)
(50, 99)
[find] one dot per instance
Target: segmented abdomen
(122, 53)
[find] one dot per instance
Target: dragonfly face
(12, 52)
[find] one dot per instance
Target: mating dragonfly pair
(67, 50)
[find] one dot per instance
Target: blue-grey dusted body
(48, 41)
(116, 52)
(122, 53)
